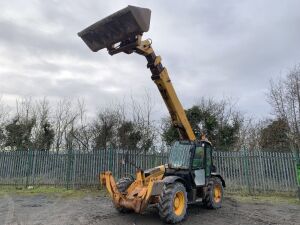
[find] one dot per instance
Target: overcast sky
(210, 48)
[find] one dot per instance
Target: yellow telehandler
(189, 176)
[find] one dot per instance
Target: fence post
(297, 164)
(262, 168)
(29, 165)
(246, 165)
(110, 152)
(74, 170)
(69, 168)
(33, 167)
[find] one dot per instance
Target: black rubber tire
(122, 185)
(165, 206)
(208, 200)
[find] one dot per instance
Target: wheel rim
(217, 193)
(178, 203)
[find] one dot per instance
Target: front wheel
(214, 194)
(122, 186)
(173, 203)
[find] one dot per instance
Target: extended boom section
(163, 82)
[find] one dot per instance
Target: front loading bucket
(120, 26)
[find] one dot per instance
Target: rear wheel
(214, 194)
(122, 186)
(173, 203)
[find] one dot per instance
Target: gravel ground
(89, 210)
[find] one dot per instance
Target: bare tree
(104, 129)
(19, 129)
(250, 134)
(82, 132)
(221, 121)
(65, 125)
(43, 132)
(64, 119)
(284, 97)
(4, 116)
(143, 119)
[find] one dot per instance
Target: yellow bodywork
(168, 94)
(122, 32)
(143, 191)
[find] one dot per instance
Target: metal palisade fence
(258, 171)
(253, 171)
(71, 170)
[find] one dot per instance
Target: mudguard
(220, 177)
(172, 179)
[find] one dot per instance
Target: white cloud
(210, 48)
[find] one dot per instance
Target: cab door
(198, 164)
(208, 159)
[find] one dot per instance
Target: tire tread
(165, 206)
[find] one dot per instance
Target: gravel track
(92, 210)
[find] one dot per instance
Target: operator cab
(193, 157)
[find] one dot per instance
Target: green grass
(274, 198)
(51, 191)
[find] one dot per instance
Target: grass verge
(273, 198)
(49, 190)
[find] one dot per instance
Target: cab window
(198, 157)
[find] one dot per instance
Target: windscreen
(180, 156)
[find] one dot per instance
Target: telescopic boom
(122, 32)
